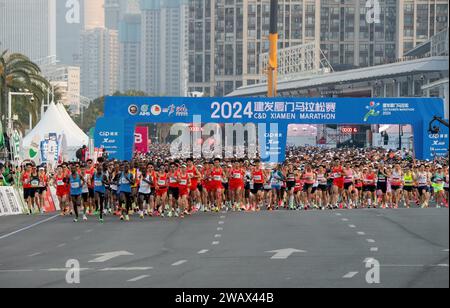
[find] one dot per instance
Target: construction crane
(273, 46)
(433, 129)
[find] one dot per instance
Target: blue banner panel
(123, 113)
(110, 135)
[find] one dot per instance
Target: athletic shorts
(408, 188)
(322, 187)
(29, 193)
(174, 192)
(369, 188)
(290, 185)
(423, 189)
(347, 185)
(161, 192)
(276, 187)
(306, 187)
(91, 193)
(395, 187)
(183, 192)
(85, 196)
(382, 186)
(257, 188)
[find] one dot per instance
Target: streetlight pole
(10, 95)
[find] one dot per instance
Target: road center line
(350, 275)
(138, 278)
(125, 269)
(29, 227)
(35, 254)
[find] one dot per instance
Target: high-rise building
(28, 27)
(94, 14)
(99, 62)
(130, 52)
(227, 37)
(418, 20)
(164, 47)
(67, 80)
(115, 11)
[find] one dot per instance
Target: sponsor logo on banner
(372, 111)
(156, 110)
(133, 110)
(141, 139)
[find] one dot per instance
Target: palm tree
(19, 73)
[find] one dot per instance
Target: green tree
(19, 73)
(96, 110)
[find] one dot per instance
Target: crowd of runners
(154, 185)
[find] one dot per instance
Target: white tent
(54, 122)
(70, 123)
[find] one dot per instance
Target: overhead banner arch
(266, 118)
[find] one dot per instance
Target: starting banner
(234, 123)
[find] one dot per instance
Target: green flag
(2, 139)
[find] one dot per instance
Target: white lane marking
(215, 243)
(61, 245)
(201, 252)
(35, 254)
(374, 249)
(179, 263)
(221, 222)
(350, 275)
(283, 254)
(352, 226)
(361, 233)
(220, 229)
(370, 240)
(16, 271)
(138, 278)
(29, 227)
(62, 269)
(344, 219)
(106, 256)
(218, 235)
(125, 269)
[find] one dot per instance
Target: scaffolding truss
(297, 61)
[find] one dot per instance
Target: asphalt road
(237, 250)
